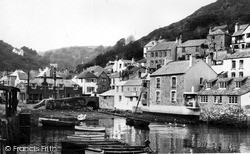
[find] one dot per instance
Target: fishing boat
(88, 128)
(137, 122)
(53, 123)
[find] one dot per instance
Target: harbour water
(164, 138)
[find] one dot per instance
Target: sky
(51, 24)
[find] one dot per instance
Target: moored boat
(137, 122)
(53, 123)
(87, 128)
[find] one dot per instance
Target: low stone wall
(72, 103)
(228, 116)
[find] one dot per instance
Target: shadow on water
(164, 138)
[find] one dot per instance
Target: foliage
(195, 26)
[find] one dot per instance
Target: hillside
(194, 26)
(11, 61)
(70, 57)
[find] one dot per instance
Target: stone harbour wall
(72, 103)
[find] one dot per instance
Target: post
(54, 88)
(28, 85)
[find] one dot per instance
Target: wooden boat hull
(137, 123)
(52, 123)
(92, 129)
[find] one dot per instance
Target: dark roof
(143, 60)
(219, 30)
(223, 27)
(241, 30)
(239, 54)
(230, 90)
(163, 46)
(135, 69)
(193, 43)
(175, 67)
(65, 82)
(86, 75)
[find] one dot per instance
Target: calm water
(163, 138)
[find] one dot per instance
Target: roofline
(168, 74)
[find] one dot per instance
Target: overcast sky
(51, 24)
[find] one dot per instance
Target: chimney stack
(237, 27)
(192, 60)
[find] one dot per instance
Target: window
(240, 74)
(122, 88)
(173, 82)
(145, 84)
(117, 88)
(152, 54)
(120, 66)
(145, 95)
(222, 85)
(160, 54)
(151, 62)
(156, 54)
(173, 96)
(160, 61)
(165, 54)
(128, 89)
(90, 89)
(105, 97)
(156, 62)
(233, 64)
(233, 99)
(237, 84)
(131, 99)
(134, 89)
(158, 84)
(241, 64)
(104, 80)
(75, 87)
(33, 86)
(90, 80)
(157, 98)
(233, 74)
(204, 99)
(218, 99)
(208, 85)
(120, 98)
(247, 35)
(183, 49)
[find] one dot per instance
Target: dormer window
(237, 84)
(222, 85)
(208, 85)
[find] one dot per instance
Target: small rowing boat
(54, 123)
(88, 128)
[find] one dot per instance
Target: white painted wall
(120, 104)
(227, 66)
(245, 100)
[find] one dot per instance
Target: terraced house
(225, 92)
(174, 87)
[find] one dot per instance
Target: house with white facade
(18, 51)
(241, 37)
(235, 65)
(121, 64)
(17, 77)
(88, 82)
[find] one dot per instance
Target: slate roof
(108, 67)
(97, 70)
(193, 43)
(175, 67)
(86, 75)
(223, 27)
(239, 54)
(108, 93)
(219, 30)
(150, 43)
(230, 90)
(143, 60)
(66, 83)
(22, 76)
(163, 46)
(241, 30)
(133, 82)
